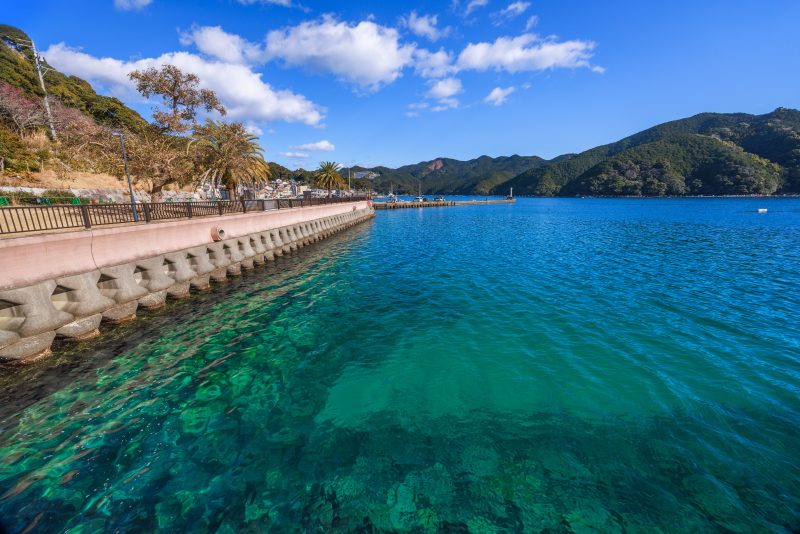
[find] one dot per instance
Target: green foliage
(450, 176)
(327, 176)
(708, 154)
(230, 156)
(58, 193)
(17, 68)
(19, 197)
(16, 156)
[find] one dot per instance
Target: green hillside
(749, 154)
(679, 165)
(17, 69)
(451, 176)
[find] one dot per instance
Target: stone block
(154, 300)
(28, 349)
(121, 313)
(81, 329)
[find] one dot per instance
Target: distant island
(707, 154)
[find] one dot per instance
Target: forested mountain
(451, 176)
(708, 154)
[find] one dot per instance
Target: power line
(41, 82)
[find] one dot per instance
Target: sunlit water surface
(554, 365)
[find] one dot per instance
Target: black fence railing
(19, 219)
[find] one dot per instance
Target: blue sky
(400, 82)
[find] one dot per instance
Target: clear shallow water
(554, 365)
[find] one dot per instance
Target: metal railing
(20, 219)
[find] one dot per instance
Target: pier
(401, 205)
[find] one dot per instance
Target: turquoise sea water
(551, 366)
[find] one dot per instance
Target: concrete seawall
(67, 285)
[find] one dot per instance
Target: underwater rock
(403, 511)
(479, 461)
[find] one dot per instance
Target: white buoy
(762, 210)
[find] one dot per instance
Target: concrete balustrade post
(247, 253)
(152, 275)
(28, 322)
(178, 267)
(79, 296)
(220, 260)
(269, 246)
(120, 284)
(200, 262)
(231, 250)
(278, 242)
(287, 241)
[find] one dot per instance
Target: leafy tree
(327, 176)
(180, 96)
(230, 156)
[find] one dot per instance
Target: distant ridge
(707, 154)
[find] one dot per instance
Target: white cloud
(425, 26)
(365, 54)
(253, 129)
(444, 92)
(499, 95)
(446, 103)
(295, 155)
(228, 47)
(433, 64)
(475, 4)
(245, 95)
(532, 21)
(515, 9)
(527, 52)
(445, 88)
(319, 146)
(131, 5)
(284, 3)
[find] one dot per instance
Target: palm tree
(230, 156)
(327, 175)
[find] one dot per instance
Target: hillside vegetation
(708, 154)
(451, 176)
(81, 132)
(17, 69)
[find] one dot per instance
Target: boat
(439, 198)
(391, 197)
(419, 198)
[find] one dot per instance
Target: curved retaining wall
(67, 285)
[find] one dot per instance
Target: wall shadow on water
(21, 386)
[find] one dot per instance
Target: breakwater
(67, 285)
(402, 205)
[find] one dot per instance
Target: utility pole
(130, 186)
(41, 83)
